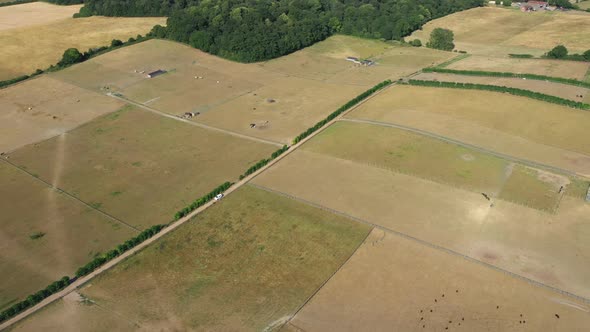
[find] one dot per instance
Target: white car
(218, 197)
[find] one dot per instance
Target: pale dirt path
(201, 125)
(81, 281)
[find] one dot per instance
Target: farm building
(588, 195)
(156, 73)
(360, 62)
(533, 6)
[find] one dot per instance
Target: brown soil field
(513, 31)
(566, 91)
(73, 234)
(394, 284)
(282, 109)
(139, 166)
(28, 48)
(555, 68)
(547, 247)
(244, 264)
(34, 13)
(479, 118)
(44, 107)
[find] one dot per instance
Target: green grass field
(410, 153)
(139, 166)
(528, 187)
(243, 264)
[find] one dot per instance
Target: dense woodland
(254, 30)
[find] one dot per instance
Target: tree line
(256, 30)
(496, 88)
(562, 80)
(264, 162)
(202, 201)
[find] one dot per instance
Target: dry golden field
(27, 46)
(566, 91)
(233, 96)
(547, 67)
(543, 246)
(491, 31)
(43, 107)
(139, 166)
(480, 118)
(72, 235)
(244, 264)
(34, 13)
(395, 284)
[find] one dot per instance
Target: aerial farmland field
(494, 230)
(35, 35)
(45, 234)
(396, 284)
(246, 264)
(139, 166)
(547, 67)
(513, 31)
(479, 118)
(565, 91)
(43, 107)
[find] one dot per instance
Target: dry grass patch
(44, 107)
(139, 166)
(555, 68)
(282, 109)
(526, 241)
(534, 188)
(35, 13)
(410, 153)
(45, 235)
(28, 48)
(498, 32)
(243, 264)
(537, 131)
(566, 91)
(394, 284)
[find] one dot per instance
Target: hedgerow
(496, 88)
(263, 162)
(201, 201)
(507, 74)
(33, 299)
(342, 109)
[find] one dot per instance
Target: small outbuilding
(156, 73)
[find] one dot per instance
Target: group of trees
(561, 52)
(255, 30)
(496, 88)
(33, 299)
(441, 39)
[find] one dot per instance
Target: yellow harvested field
(395, 284)
(566, 91)
(545, 247)
(281, 97)
(43, 107)
(27, 48)
(34, 13)
(68, 233)
(139, 166)
(245, 264)
(494, 121)
(491, 31)
(555, 68)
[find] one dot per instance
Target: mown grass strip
(507, 74)
(496, 88)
